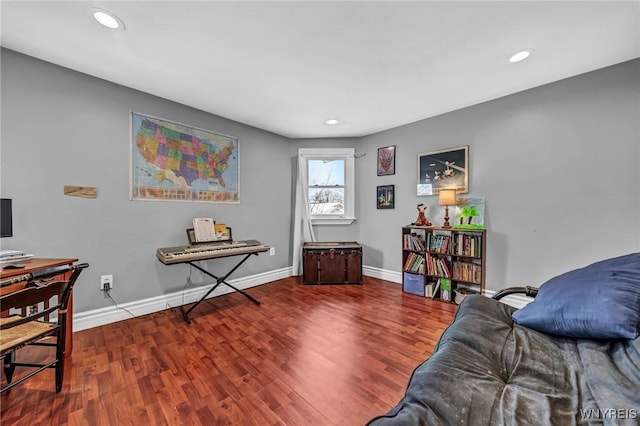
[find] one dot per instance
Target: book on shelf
(418, 264)
(445, 289)
(428, 290)
(431, 264)
(435, 289)
(437, 266)
(445, 269)
(406, 242)
(413, 242)
(409, 261)
(468, 245)
(467, 271)
(438, 243)
(414, 263)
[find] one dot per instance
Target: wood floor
(308, 355)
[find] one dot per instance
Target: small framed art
(387, 160)
(447, 168)
(386, 197)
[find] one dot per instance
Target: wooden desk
(35, 264)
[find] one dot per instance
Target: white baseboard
(382, 274)
(110, 314)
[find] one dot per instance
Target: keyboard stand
(219, 281)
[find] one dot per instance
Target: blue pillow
(599, 301)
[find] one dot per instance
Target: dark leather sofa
(489, 370)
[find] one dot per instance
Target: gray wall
(558, 165)
(60, 127)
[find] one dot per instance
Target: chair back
(30, 296)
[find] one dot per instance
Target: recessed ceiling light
(332, 121)
(108, 19)
(520, 56)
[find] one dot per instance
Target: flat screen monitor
(6, 222)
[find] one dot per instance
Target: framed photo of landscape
(387, 160)
(386, 197)
(446, 168)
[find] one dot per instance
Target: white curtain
(302, 228)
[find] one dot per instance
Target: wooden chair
(32, 326)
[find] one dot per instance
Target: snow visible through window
(326, 179)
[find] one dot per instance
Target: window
(330, 178)
(326, 186)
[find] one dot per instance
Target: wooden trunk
(332, 263)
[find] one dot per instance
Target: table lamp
(446, 198)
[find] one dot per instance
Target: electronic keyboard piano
(211, 250)
(184, 254)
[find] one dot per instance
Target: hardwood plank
(308, 355)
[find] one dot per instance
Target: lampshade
(447, 197)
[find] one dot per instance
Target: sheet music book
(221, 231)
(204, 229)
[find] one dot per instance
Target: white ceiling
(288, 66)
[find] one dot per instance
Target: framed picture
(447, 168)
(386, 197)
(387, 160)
(469, 213)
(172, 161)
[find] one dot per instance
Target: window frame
(346, 154)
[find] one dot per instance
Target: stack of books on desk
(7, 256)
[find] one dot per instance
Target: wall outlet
(272, 251)
(106, 282)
